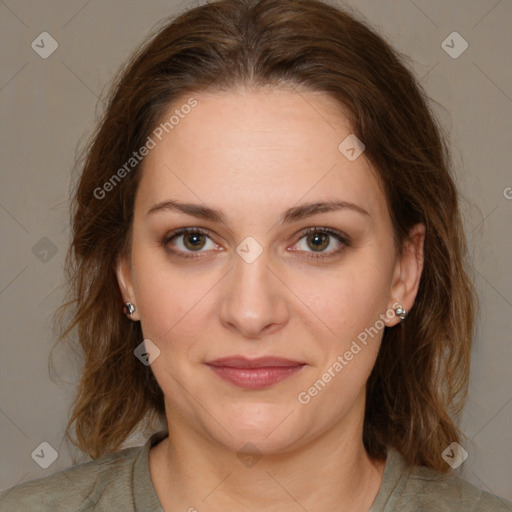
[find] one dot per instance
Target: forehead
(258, 151)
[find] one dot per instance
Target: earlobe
(408, 271)
(124, 280)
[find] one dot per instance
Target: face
(260, 275)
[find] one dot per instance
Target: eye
(319, 239)
(186, 241)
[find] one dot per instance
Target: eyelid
(324, 229)
(342, 237)
(176, 233)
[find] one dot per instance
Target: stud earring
(402, 313)
(129, 308)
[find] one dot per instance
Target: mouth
(257, 373)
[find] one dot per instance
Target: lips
(255, 373)
(260, 362)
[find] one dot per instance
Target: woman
(267, 255)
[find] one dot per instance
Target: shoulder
(421, 488)
(448, 492)
(80, 487)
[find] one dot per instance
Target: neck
(189, 472)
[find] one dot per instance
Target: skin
(253, 154)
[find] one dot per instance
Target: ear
(407, 274)
(125, 282)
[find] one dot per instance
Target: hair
(418, 385)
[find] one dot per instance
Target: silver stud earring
(402, 313)
(129, 308)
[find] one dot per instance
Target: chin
(263, 433)
(259, 443)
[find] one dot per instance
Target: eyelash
(341, 237)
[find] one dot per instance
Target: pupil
(194, 240)
(318, 240)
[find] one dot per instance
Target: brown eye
(194, 241)
(186, 241)
(321, 243)
(318, 241)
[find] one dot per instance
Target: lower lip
(255, 378)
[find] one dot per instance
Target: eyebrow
(291, 215)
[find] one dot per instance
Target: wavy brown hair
(419, 383)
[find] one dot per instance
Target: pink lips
(254, 373)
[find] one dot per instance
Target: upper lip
(259, 362)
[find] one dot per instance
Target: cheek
(348, 300)
(167, 296)
(173, 306)
(346, 347)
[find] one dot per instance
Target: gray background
(50, 105)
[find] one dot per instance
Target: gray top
(121, 481)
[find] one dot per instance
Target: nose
(253, 299)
